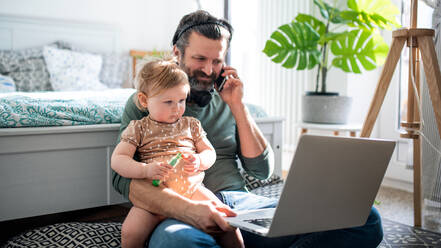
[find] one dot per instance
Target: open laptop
(331, 184)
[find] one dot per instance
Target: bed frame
(47, 170)
(55, 169)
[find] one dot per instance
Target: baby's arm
(206, 152)
(124, 164)
(203, 159)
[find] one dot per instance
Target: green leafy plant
(351, 34)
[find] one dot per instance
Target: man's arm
(252, 141)
(256, 156)
(164, 201)
(259, 165)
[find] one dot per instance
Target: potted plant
(350, 34)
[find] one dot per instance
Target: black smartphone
(220, 81)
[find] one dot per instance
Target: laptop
(331, 184)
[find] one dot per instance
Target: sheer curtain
(431, 157)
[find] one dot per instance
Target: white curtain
(267, 84)
(431, 157)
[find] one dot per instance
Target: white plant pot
(326, 109)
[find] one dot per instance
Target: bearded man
(200, 45)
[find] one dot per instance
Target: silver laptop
(331, 184)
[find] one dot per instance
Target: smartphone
(220, 81)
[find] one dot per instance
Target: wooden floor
(115, 213)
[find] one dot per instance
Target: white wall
(143, 24)
(149, 24)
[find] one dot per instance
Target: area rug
(400, 235)
(71, 234)
(108, 234)
(79, 234)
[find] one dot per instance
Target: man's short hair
(205, 24)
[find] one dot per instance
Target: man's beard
(196, 84)
(201, 92)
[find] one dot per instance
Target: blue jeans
(173, 233)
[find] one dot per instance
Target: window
(424, 21)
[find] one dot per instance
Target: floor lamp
(419, 41)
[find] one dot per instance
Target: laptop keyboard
(266, 222)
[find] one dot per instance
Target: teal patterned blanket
(20, 109)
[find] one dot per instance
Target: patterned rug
(71, 234)
(76, 234)
(400, 235)
(108, 234)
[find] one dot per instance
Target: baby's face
(169, 105)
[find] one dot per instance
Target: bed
(61, 162)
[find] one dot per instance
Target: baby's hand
(192, 162)
(157, 170)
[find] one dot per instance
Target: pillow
(27, 67)
(71, 70)
(115, 70)
(6, 84)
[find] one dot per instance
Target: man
(200, 44)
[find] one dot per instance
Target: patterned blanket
(21, 109)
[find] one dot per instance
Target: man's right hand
(208, 216)
(204, 215)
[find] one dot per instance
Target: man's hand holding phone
(221, 80)
(229, 86)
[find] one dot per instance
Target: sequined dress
(156, 141)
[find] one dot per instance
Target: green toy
(173, 162)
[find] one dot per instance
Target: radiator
(280, 89)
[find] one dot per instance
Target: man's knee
(173, 233)
(373, 228)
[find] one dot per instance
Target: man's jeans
(173, 233)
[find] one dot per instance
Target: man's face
(203, 60)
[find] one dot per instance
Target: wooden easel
(417, 40)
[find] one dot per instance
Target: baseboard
(397, 184)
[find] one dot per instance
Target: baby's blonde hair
(157, 75)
